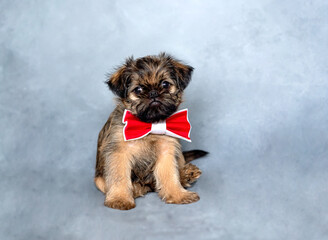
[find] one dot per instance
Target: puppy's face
(151, 87)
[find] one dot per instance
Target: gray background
(258, 104)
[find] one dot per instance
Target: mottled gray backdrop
(258, 104)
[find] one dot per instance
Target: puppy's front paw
(120, 203)
(182, 198)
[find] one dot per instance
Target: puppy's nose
(153, 94)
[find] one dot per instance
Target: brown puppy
(151, 88)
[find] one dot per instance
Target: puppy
(151, 88)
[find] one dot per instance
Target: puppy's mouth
(156, 110)
(155, 103)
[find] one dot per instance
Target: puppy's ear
(180, 72)
(119, 81)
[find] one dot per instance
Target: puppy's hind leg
(100, 184)
(189, 174)
(140, 190)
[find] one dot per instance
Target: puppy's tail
(193, 154)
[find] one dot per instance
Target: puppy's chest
(144, 159)
(146, 151)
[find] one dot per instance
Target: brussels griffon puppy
(151, 88)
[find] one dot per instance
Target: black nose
(153, 94)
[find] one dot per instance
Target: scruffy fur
(151, 88)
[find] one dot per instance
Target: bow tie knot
(177, 125)
(158, 128)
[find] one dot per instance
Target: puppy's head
(151, 87)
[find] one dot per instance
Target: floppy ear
(181, 72)
(118, 82)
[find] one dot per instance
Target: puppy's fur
(151, 88)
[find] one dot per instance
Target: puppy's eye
(166, 84)
(137, 90)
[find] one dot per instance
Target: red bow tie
(177, 125)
